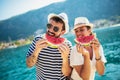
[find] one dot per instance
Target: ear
(90, 31)
(62, 32)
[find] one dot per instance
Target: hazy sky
(9, 8)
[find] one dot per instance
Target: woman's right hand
(82, 50)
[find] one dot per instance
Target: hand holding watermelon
(82, 50)
(95, 45)
(40, 44)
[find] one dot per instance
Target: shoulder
(74, 49)
(38, 37)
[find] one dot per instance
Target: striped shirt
(49, 62)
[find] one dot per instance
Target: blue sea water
(13, 65)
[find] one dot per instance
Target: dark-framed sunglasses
(55, 28)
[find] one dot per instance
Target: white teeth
(50, 34)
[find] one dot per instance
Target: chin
(79, 36)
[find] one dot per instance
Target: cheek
(86, 33)
(57, 33)
(77, 35)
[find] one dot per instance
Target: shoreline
(15, 44)
(22, 42)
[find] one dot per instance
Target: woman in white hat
(86, 60)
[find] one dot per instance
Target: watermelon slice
(85, 40)
(53, 41)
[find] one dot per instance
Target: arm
(65, 50)
(32, 59)
(99, 64)
(84, 70)
(66, 69)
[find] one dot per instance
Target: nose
(51, 29)
(79, 33)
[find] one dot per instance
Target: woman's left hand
(95, 45)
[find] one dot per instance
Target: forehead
(82, 27)
(55, 23)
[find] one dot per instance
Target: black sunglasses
(55, 28)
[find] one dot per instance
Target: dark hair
(88, 27)
(57, 19)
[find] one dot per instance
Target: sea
(13, 61)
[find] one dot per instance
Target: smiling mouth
(80, 36)
(50, 33)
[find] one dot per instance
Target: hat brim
(66, 23)
(81, 25)
(77, 26)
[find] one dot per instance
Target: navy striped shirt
(49, 62)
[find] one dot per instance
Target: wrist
(38, 49)
(97, 54)
(65, 60)
(85, 54)
(98, 58)
(36, 52)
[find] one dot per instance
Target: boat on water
(12, 46)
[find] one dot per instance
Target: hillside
(112, 21)
(27, 24)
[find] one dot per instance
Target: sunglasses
(55, 28)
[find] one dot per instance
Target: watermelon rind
(83, 44)
(52, 45)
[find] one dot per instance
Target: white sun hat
(62, 16)
(82, 21)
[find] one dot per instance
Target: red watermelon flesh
(84, 40)
(53, 41)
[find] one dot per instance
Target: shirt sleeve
(32, 46)
(69, 44)
(102, 54)
(75, 57)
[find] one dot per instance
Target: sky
(9, 8)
